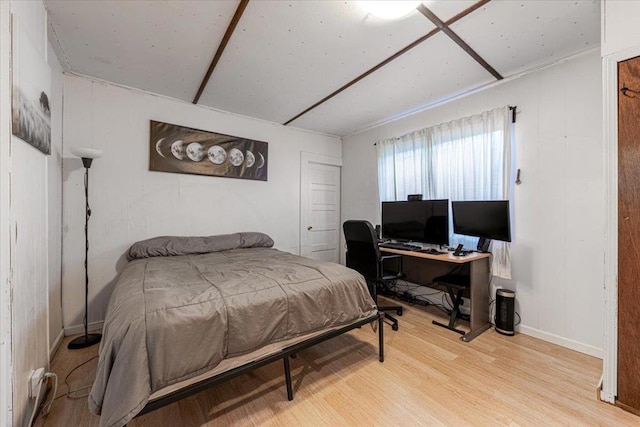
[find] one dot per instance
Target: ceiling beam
(366, 73)
(391, 58)
(223, 44)
(444, 27)
(467, 11)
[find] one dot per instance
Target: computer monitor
(425, 221)
(487, 219)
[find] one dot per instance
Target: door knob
(309, 228)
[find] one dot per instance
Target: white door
(320, 207)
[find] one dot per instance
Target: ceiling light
(389, 9)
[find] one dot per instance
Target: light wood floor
(429, 377)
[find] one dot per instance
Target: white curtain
(465, 159)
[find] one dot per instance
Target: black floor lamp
(87, 155)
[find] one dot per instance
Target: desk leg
(469, 336)
(479, 298)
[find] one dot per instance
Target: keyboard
(399, 246)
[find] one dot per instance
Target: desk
(421, 268)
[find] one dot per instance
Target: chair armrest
(399, 264)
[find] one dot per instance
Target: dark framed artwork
(181, 149)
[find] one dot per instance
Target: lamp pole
(87, 339)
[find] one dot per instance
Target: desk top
(449, 257)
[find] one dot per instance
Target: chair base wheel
(390, 320)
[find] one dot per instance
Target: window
(466, 159)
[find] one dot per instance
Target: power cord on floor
(35, 406)
(45, 410)
(66, 381)
(446, 299)
(412, 292)
(428, 303)
(412, 298)
(69, 392)
(47, 407)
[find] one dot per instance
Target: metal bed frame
(284, 354)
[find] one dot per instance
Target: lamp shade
(86, 153)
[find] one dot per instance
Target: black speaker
(505, 308)
(414, 197)
(378, 231)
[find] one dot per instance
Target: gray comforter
(174, 317)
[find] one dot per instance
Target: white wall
(6, 369)
(130, 203)
(620, 25)
(35, 239)
(557, 252)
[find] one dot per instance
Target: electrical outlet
(35, 379)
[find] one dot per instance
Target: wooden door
(320, 209)
(629, 233)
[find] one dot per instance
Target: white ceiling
(284, 56)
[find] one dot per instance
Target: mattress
(174, 318)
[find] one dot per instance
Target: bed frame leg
(381, 336)
(287, 376)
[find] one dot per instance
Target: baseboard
(599, 388)
(607, 397)
(564, 342)
(634, 411)
(436, 297)
(56, 345)
(79, 329)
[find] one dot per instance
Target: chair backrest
(363, 254)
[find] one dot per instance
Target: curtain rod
(512, 108)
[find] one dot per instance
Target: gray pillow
(174, 245)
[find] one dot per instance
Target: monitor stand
(483, 244)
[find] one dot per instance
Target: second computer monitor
(486, 219)
(425, 221)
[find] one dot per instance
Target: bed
(190, 312)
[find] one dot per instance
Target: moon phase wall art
(181, 149)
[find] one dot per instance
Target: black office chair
(455, 284)
(364, 256)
